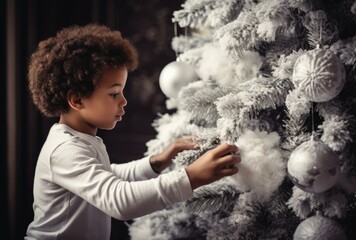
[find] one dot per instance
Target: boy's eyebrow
(116, 85)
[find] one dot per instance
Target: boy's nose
(124, 102)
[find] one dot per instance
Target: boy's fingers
(189, 143)
(229, 171)
(229, 160)
(186, 140)
(225, 149)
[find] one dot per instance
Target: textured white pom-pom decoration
(319, 228)
(313, 166)
(262, 167)
(174, 76)
(319, 74)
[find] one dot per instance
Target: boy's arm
(149, 167)
(135, 170)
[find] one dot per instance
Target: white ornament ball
(313, 166)
(319, 74)
(174, 76)
(319, 228)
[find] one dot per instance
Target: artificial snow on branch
(302, 5)
(272, 15)
(198, 99)
(262, 93)
(170, 127)
(336, 125)
(346, 49)
(185, 158)
(238, 223)
(297, 105)
(296, 131)
(182, 44)
(217, 67)
(320, 30)
(164, 225)
(207, 13)
(283, 68)
(239, 35)
(332, 203)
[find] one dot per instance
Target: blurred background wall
(24, 23)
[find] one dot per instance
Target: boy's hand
(161, 161)
(213, 165)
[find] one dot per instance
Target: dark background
(147, 23)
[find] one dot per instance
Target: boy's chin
(109, 127)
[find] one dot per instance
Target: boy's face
(105, 107)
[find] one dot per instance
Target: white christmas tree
(278, 79)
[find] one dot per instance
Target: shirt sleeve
(74, 166)
(135, 170)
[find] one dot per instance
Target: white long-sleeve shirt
(77, 190)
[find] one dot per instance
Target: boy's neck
(77, 124)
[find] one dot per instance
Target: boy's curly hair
(74, 60)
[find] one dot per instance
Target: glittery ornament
(319, 74)
(319, 228)
(174, 76)
(313, 166)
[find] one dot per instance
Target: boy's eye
(113, 95)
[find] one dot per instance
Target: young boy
(79, 75)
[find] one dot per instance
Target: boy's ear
(74, 101)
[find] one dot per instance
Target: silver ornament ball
(319, 228)
(313, 166)
(319, 74)
(174, 76)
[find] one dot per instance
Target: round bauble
(319, 74)
(174, 76)
(313, 166)
(319, 228)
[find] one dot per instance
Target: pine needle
(214, 198)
